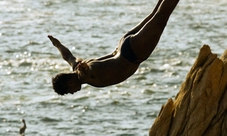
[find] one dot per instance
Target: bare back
(108, 71)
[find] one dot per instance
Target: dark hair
(60, 83)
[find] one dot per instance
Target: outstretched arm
(65, 52)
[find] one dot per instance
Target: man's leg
(144, 41)
(144, 21)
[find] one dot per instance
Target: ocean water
(92, 28)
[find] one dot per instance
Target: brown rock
(200, 107)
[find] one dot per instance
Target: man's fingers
(55, 41)
(51, 37)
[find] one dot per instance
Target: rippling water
(91, 28)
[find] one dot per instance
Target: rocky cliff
(200, 107)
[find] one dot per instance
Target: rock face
(200, 107)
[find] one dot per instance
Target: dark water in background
(91, 28)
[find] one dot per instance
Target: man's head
(65, 83)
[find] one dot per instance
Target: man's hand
(54, 41)
(65, 52)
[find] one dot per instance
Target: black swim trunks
(127, 52)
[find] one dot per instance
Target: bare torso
(107, 72)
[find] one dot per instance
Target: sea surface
(92, 28)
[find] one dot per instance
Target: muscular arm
(65, 52)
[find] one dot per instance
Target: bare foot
(54, 41)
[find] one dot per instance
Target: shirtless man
(133, 48)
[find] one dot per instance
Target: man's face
(74, 85)
(74, 88)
